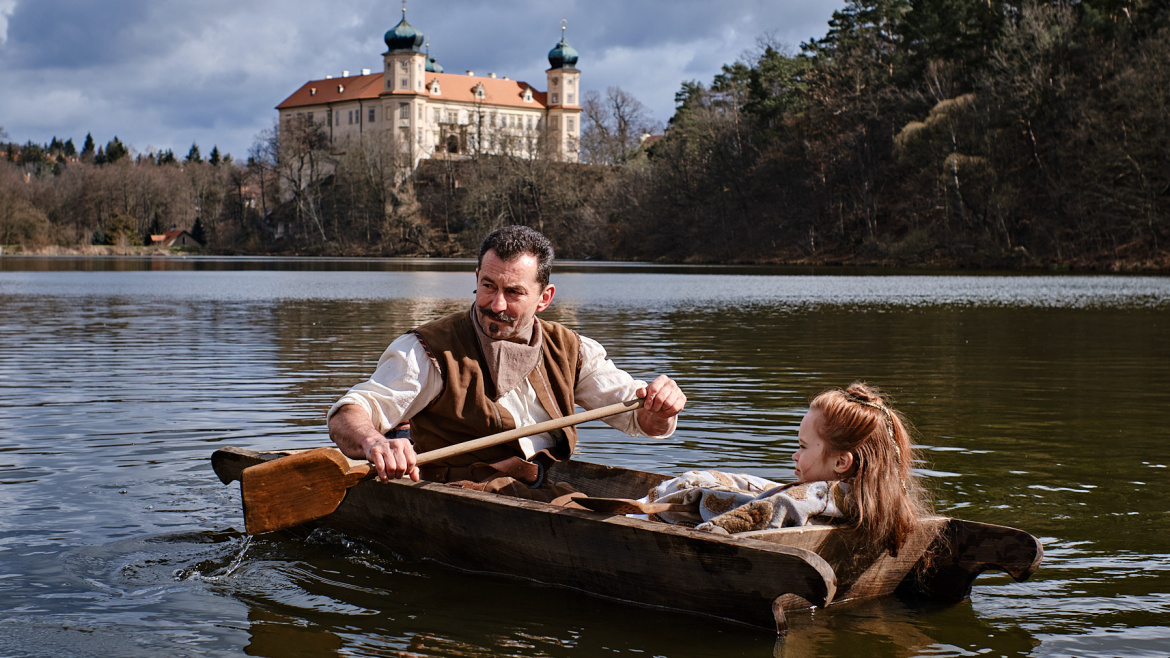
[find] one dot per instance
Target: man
(492, 369)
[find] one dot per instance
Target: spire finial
(564, 22)
(404, 9)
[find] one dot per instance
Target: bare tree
(613, 126)
(298, 151)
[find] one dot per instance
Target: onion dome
(404, 37)
(433, 66)
(562, 56)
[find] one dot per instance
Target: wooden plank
(965, 549)
(863, 570)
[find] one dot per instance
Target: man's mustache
(498, 317)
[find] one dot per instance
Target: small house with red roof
(175, 238)
(414, 107)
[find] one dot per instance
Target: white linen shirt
(407, 380)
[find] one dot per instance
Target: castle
(412, 106)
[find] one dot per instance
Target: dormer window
(479, 93)
(435, 88)
(527, 95)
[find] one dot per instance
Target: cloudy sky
(162, 74)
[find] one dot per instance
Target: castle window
(555, 99)
(554, 122)
(403, 110)
(436, 115)
(420, 112)
(569, 98)
(404, 64)
(405, 83)
(527, 122)
(570, 124)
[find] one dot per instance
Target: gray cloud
(166, 73)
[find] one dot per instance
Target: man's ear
(844, 463)
(546, 297)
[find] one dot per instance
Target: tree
(214, 157)
(87, 149)
(613, 126)
(116, 150)
(193, 155)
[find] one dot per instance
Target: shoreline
(1154, 267)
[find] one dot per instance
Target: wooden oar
(308, 485)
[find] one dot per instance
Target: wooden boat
(749, 577)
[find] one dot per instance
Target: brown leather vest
(466, 407)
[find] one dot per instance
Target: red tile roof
(452, 88)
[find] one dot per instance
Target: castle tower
(564, 100)
(404, 94)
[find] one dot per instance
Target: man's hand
(663, 401)
(351, 429)
(392, 458)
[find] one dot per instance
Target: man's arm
(601, 383)
(405, 381)
(352, 430)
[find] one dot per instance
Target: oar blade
(293, 490)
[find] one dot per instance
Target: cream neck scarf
(508, 363)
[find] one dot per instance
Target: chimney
(492, 75)
(365, 71)
(471, 73)
(345, 74)
(329, 77)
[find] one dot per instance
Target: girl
(853, 466)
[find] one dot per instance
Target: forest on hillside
(955, 133)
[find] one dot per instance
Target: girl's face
(815, 461)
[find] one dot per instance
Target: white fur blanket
(735, 502)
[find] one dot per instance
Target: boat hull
(749, 578)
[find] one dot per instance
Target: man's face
(508, 296)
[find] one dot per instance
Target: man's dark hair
(511, 242)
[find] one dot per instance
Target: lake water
(1040, 402)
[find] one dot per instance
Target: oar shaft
(528, 430)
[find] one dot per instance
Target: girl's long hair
(885, 499)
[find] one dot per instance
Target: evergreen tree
(214, 157)
(115, 150)
(69, 149)
(167, 157)
(100, 157)
(194, 155)
(198, 232)
(87, 154)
